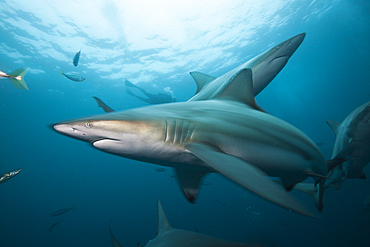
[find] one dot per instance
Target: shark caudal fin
(18, 79)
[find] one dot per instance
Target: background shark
(222, 130)
(351, 150)
(170, 237)
(265, 67)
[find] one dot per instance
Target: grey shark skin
(170, 237)
(225, 133)
(264, 68)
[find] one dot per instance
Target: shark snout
(72, 131)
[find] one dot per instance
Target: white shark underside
(170, 237)
(219, 130)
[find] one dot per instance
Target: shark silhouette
(221, 129)
(170, 237)
(351, 152)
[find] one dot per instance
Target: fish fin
(310, 189)
(19, 82)
(240, 88)
(287, 183)
(201, 79)
(101, 104)
(163, 224)
(248, 176)
(129, 84)
(189, 181)
(362, 175)
(334, 126)
(61, 73)
(331, 164)
(115, 242)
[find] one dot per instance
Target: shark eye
(88, 125)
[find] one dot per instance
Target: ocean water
(155, 44)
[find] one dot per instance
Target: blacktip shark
(265, 68)
(171, 237)
(351, 151)
(220, 129)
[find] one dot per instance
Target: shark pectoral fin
(248, 176)
(189, 182)
(163, 224)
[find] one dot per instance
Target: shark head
(266, 66)
(125, 134)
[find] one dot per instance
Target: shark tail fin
(18, 79)
(163, 224)
(61, 73)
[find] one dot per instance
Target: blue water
(155, 46)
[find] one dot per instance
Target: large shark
(351, 152)
(265, 68)
(171, 237)
(220, 129)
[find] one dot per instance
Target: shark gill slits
(178, 130)
(165, 131)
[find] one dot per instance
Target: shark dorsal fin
(163, 224)
(240, 88)
(236, 85)
(201, 79)
(334, 126)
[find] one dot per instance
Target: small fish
(221, 203)
(62, 211)
(76, 58)
(6, 176)
(320, 143)
(51, 228)
(73, 77)
(283, 224)
(159, 169)
(16, 78)
(204, 183)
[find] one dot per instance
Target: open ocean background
(155, 44)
